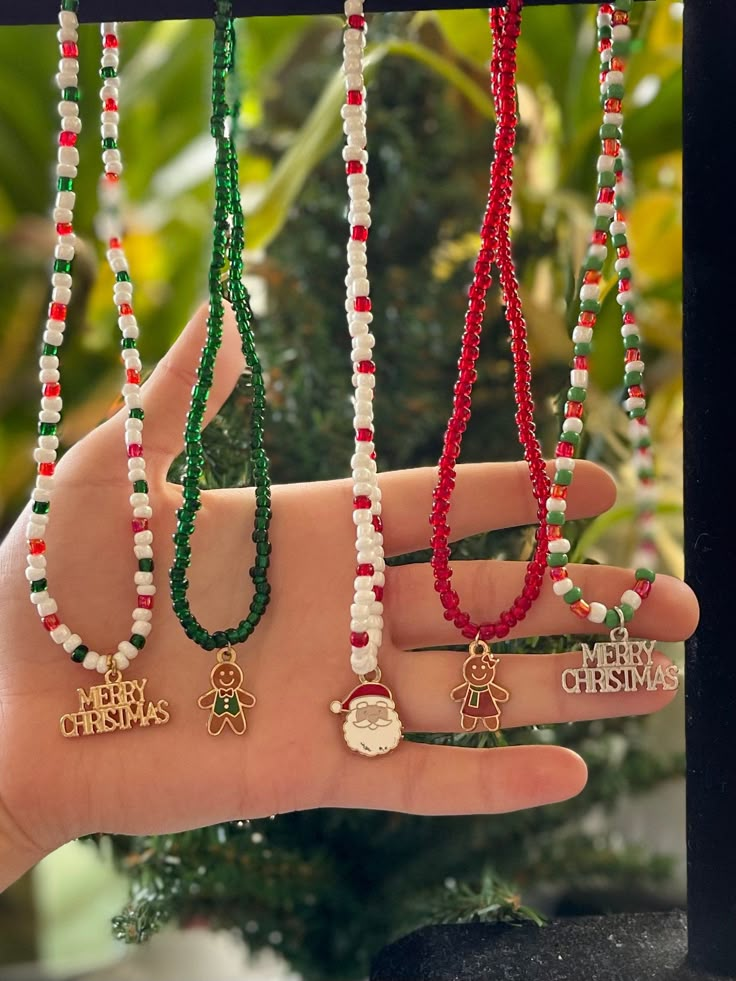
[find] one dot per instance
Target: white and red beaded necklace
(372, 726)
(114, 705)
(619, 664)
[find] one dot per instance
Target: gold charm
(226, 699)
(619, 665)
(116, 705)
(479, 693)
(372, 726)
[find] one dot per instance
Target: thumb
(167, 393)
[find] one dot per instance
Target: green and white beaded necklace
(227, 698)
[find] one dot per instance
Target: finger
(486, 588)
(422, 682)
(420, 779)
(167, 393)
(487, 496)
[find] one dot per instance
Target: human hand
(175, 777)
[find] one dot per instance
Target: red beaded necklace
(495, 248)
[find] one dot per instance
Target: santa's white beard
(362, 738)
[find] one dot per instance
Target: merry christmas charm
(619, 665)
(479, 693)
(116, 705)
(372, 726)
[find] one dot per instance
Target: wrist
(18, 853)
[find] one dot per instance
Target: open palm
(175, 777)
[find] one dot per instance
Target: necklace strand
(614, 36)
(53, 336)
(495, 247)
(228, 221)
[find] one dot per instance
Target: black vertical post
(710, 492)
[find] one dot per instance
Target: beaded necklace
(116, 704)
(226, 698)
(479, 693)
(619, 664)
(371, 726)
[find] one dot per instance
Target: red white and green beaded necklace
(371, 726)
(114, 704)
(620, 664)
(479, 693)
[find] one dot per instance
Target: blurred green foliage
(335, 885)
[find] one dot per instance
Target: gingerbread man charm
(226, 699)
(479, 693)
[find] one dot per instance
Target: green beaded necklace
(226, 699)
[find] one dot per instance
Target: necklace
(116, 704)
(479, 693)
(371, 726)
(618, 664)
(226, 699)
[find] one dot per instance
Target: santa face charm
(372, 726)
(226, 699)
(479, 693)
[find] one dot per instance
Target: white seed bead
(34, 529)
(38, 598)
(579, 378)
(141, 627)
(141, 614)
(47, 608)
(143, 551)
(71, 643)
(61, 634)
(556, 504)
(121, 661)
(634, 403)
(91, 659)
(589, 291)
(604, 164)
(360, 611)
(143, 578)
(572, 425)
(143, 537)
(36, 562)
(33, 574)
(144, 590)
(136, 474)
(143, 512)
(102, 665)
(631, 598)
(597, 613)
(558, 545)
(561, 586)
(597, 251)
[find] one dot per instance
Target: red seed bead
(361, 502)
(359, 639)
(580, 608)
(111, 105)
(365, 569)
(52, 390)
(623, 252)
(135, 449)
(629, 318)
(633, 354)
(612, 105)
(133, 376)
(111, 41)
(139, 524)
(377, 523)
(461, 619)
(558, 490)
(557, 572)
(111, 178)
(471, 632)
(50, 622)
(115, 243)
(598, 238)
(580, 362)
(366, 367)
(364, 435)
(487, 631)
(354, 97)
(125, 309)
(46, 469)
(637, 392)
(554, 532)
(69, 49)
(64, 228)
(574, 410)
(624, 285)
(643, 588)
(378, 592)
(359, 233)
(587, 319)
(66, 138)
(36, 546)
(353, 167)
(362, 304)
(449, 599)
(356, 21)
(565, 449)
(57, 311)
(145, 602)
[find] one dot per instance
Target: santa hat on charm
(368, 689)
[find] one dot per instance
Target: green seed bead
(645, 574)
(41, 507)
(557, 559)
(582, 348)
(607, 179)
(109, 143)
(555, 518)
(136, 414)
(576, 394)
(605, 32)
(128, 343)
(145, 565)
(609, 131)
(572, 438)
(563, 477)
(47, 429)
(602, 223)
(573, 595)
(62, 266)
(590, 306)
(624, 273)
(79, 653)
(615, 91)
(263, 548)
(65, 184)
(627, 610)
(122, 277)
(611, 619)
(637, 413)
(72, 5)
(108, 73)
(38, 585)
(632, 378)
(50, 349)
(140, 486)
(632, 341)
(138, 640)
(619, 241)
(593, 263)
